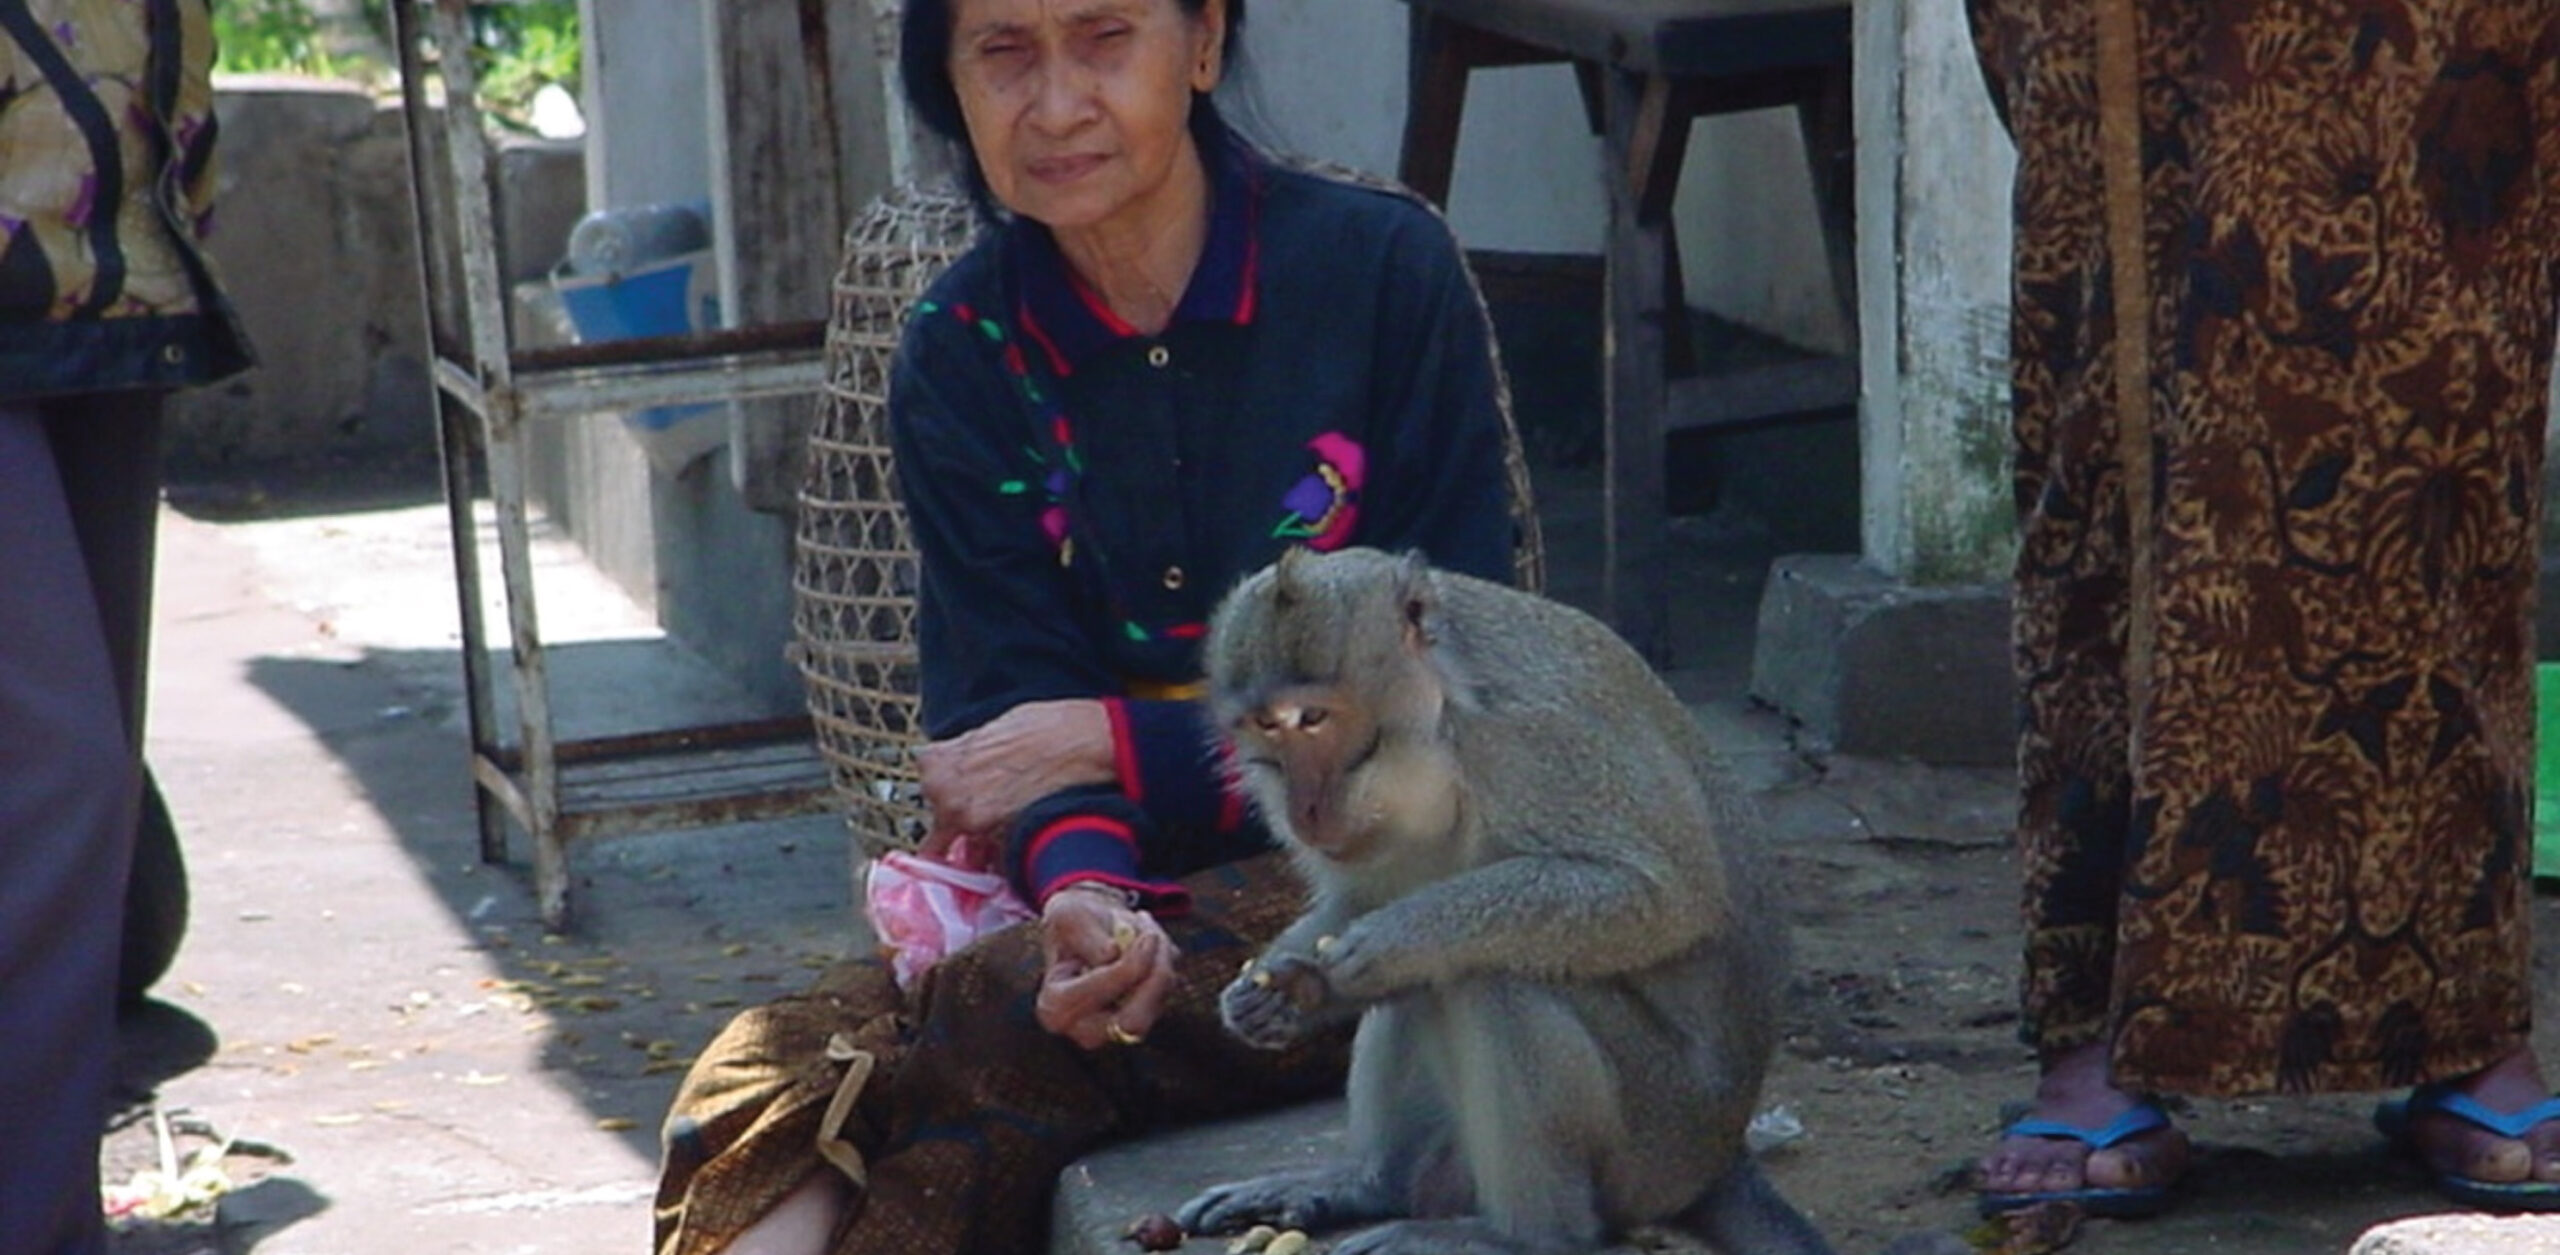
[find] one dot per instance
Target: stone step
(1102, 1193)
(2463, 1234)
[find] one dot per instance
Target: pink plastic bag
(923, 910)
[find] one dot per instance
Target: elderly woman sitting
(1170, 359)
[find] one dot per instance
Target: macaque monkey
(1531, 882)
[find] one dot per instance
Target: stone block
(1873, 666)
(316, 241)
(1101, 1193)
(313, 238)
(2462, 1234)
(542, 192)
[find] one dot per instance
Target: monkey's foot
(1459, 1236)
(2123, 1168)
(1322, 1199)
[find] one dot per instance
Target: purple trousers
(78, 487)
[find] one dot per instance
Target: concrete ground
(401, 1056)
(402, 1059)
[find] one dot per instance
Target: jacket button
(1173, 577)
(1159, 355)
(173, 354)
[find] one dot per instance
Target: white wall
(1934, 175)
(1329, 80)
(644, 81)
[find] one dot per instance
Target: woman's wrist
(1125, 898)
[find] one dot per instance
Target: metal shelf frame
(488, 392)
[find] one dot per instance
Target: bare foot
(2449, 1144)
(2074, 1090)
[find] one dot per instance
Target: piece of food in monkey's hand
(1155, 1231)
(1304, 985)
(1325, 944)
(1287, 1242)
(1252, 1240)
(1261, 978)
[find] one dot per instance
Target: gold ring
(1120, 1036)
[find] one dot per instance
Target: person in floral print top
(1169, 359)
(106, 304)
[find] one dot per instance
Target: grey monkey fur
(1530, 879)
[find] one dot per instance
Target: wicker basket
(853, 577)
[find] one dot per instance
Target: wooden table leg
(1634, 584)
(1830, 151)
(1436, 99)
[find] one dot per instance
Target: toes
(2501, 1160)
(2114, 1169)
(2152, 1158)
(1998, 1178)
(2028, 1166)
(2036, 1166)
(2453, 1146)
(2058, 1175)
(2542, 1144)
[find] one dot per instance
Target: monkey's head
(1323, 673)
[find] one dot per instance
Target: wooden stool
(1647, 68)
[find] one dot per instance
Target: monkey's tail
(1745, 1215)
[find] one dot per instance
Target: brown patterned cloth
(969, 1109)
(2299, 861)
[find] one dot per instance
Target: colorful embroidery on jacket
(1324, 507)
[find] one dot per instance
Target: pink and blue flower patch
(1324, 507)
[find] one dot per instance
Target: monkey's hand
(1360, 965)
(1273, 1004)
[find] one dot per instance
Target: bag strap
(2119, 75)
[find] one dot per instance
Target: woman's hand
(978, 781)
(1110, 967)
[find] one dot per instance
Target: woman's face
(1079, 109)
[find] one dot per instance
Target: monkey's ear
(1287, 577)
(1418, 600)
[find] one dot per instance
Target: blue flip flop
(2393, 1119)
(2125, 1203)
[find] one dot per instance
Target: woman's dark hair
(924, 69)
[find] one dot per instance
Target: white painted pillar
(644, 81)
(1934, 172)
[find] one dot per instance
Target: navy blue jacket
(1082, 494)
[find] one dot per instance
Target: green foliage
(270, 37)
(518, 46)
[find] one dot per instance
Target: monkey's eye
(1312, 717)
(1267, 722)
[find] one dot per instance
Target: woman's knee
(801, 1224)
